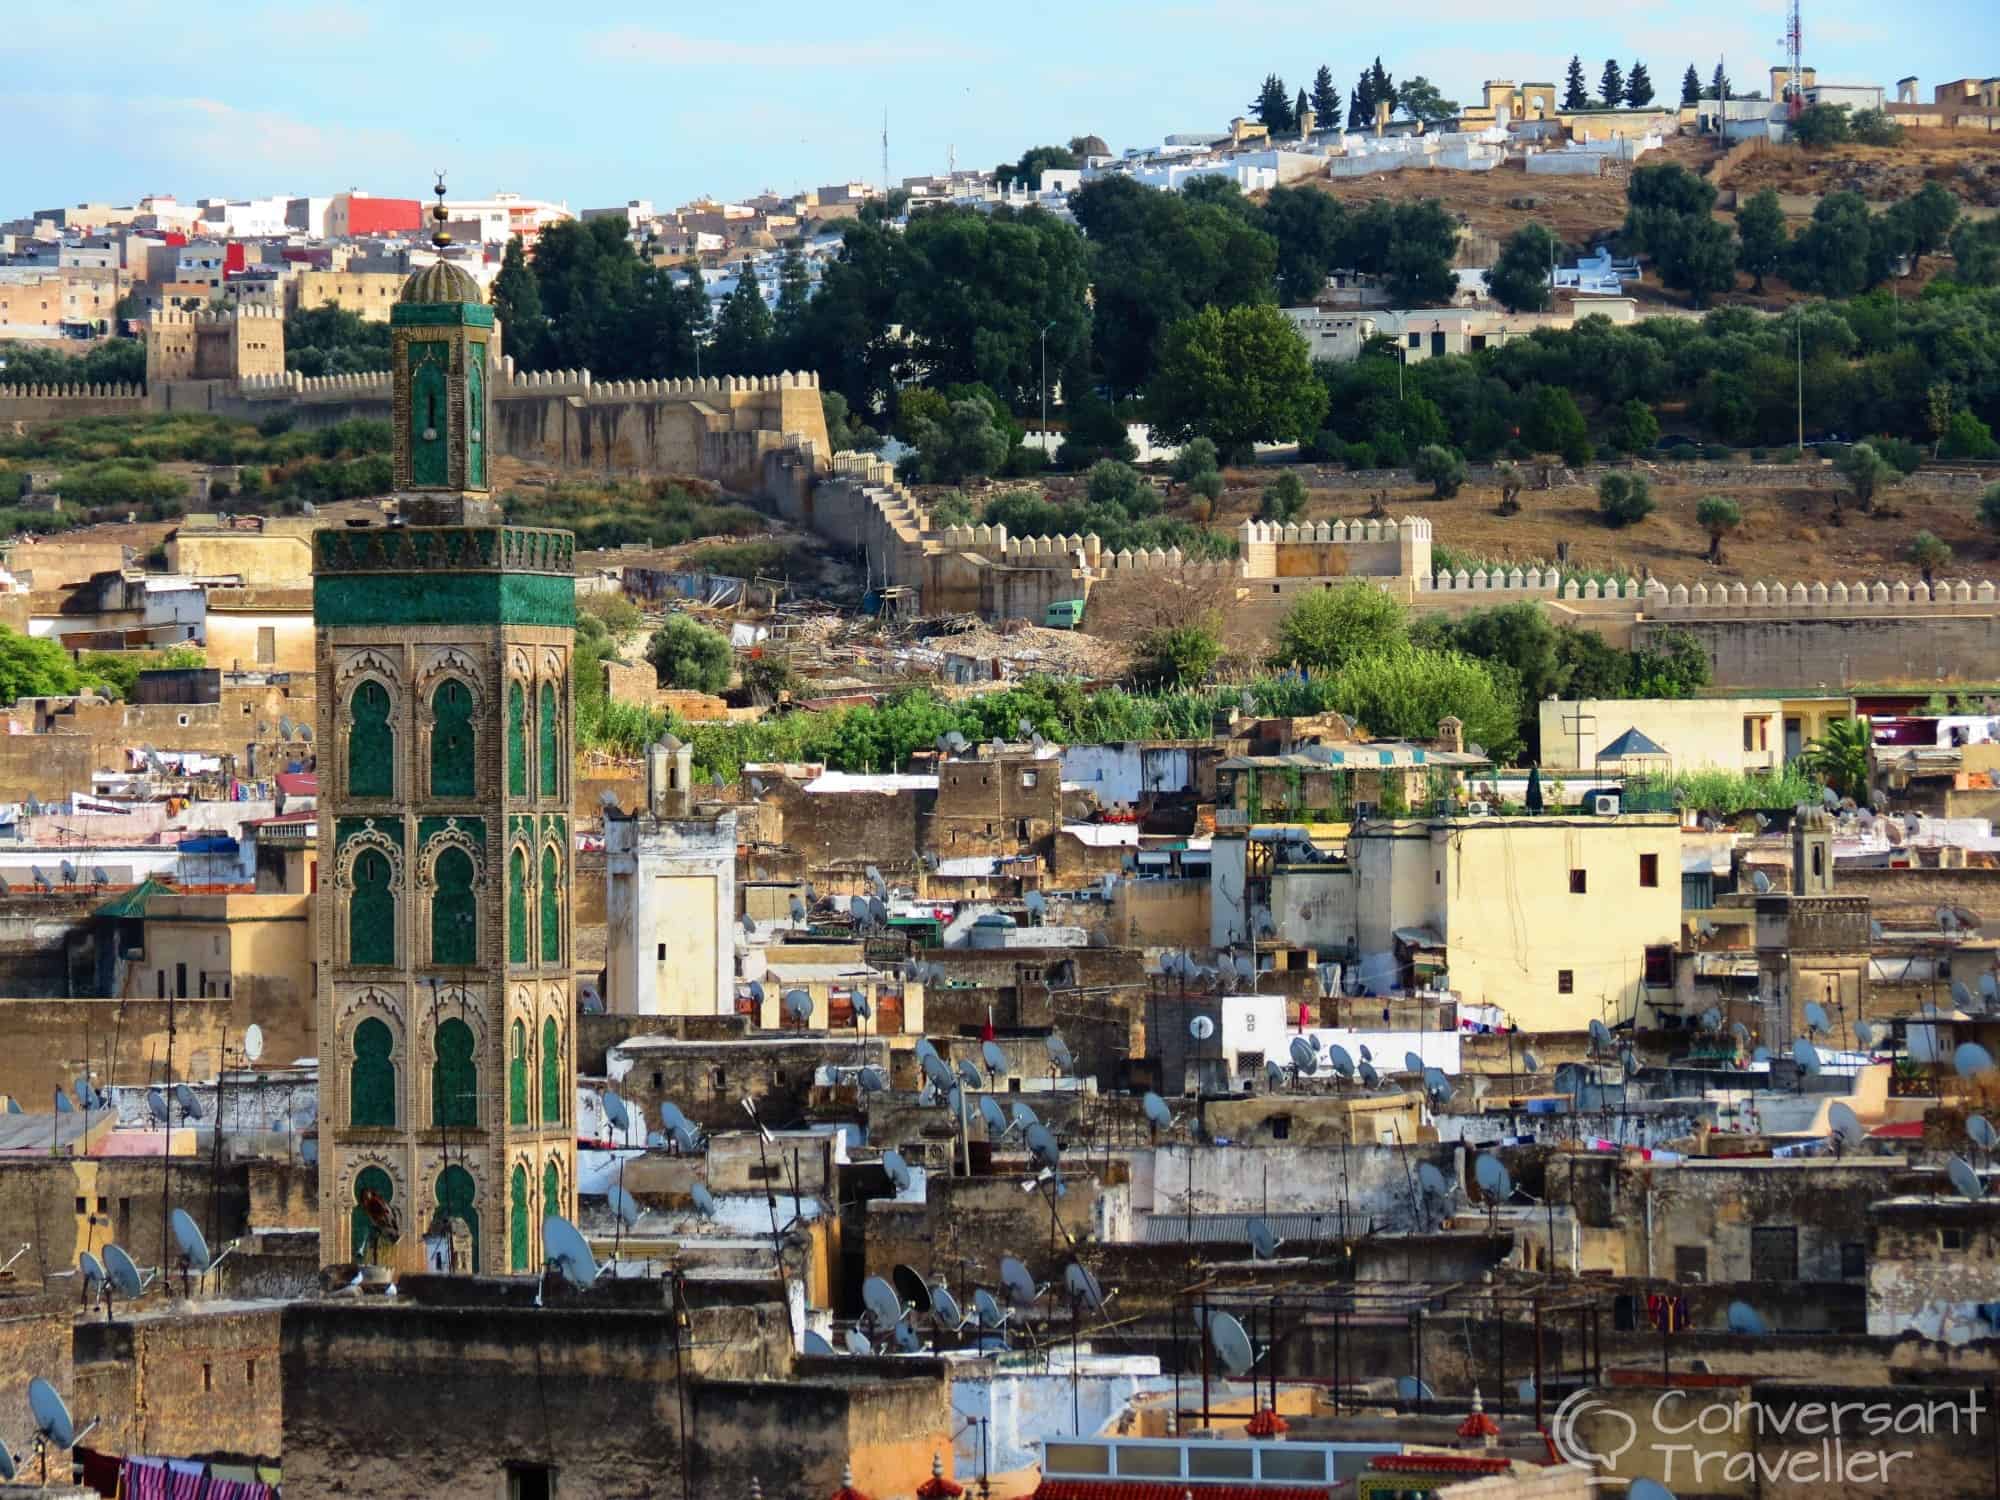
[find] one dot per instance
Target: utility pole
(1799, 330)
(1045, 383)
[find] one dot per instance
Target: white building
(670, 899)
(505, 215)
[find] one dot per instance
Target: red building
(351, 214)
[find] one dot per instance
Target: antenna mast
(885, 152)
(1794, 44)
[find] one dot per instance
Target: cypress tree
(1638, 86)
(1611, 84)
(1691, 86)
(1575, 94)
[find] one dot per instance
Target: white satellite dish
(1230, 1344)
(565, 1249)
(1201, 1028)
(1846, 1125)
(253, 1043)
(188, 1237)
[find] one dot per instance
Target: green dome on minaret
(441, 281)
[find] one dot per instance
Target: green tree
(1519, 278)
(1671, 665)
(1440, 468)
(1820, 125)
(1975, 252)
(1624, 499)
(1638, 86)
(1361, 103)
(517, 304)
(1932, 213)
(1110, 482)
(1325, 99)
(1519, 637)
(1634, 428)
(1719, 86)
(1404, 694)
(688, 655)
(1867, 474)
(31, 667)
(968, 444)
(1840, 757)
(1382, 88)
(1576, 93)
(1929, 552)
(1419, 100)
(1873, 127)
(1423, 239)
(1300, 106)
(1179, 656)
(1284, 498)
(1096, 430)
(1329, 628)
(1718, 516)
(1611, 84)
(743, 331)
(1760, 229)
(844, 432)
(1035, 161)
(1195, 458)
(334, 341)
(1690, 87)
(1832, 254)
(1965, 436)
(1310, 231)
(1272, 108)
(788, 319)
(1552, 424)
(1238, 377)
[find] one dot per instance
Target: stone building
(229, 347)
(1812, 945)
(445, 960)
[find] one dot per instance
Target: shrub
(686, 654)
(1965, 436)
(1359, 456)
(1328, 628)
(1635, 429)
(1196, 457)
(1208, 486)
(1176, 656)
(1284, 498)
(1440, 468)
(1903, 455)
(1989, 507)
(1624, 499)
(1929, 552)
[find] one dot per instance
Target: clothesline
(139, 1477)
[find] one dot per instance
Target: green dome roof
(441, 281)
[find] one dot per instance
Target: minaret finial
(440, 237)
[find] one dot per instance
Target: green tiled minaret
(445, 997)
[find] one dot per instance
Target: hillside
(1967, 162)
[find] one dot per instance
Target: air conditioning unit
(1479, 809)
(1604, 805)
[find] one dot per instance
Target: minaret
(446, 1010)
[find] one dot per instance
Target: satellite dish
(1643, 1488)
(1711, 1019)
(898, 1170)
(857, 1342)
(987, 1310)
(757, 993)
(1806, 1055)
(995, 1059)
(63, 1106)
(1083, 1288)
(1981, 1130)
(911, 1289)
(1341, 1061)
(51, 1415)
(704, 1200)
(1846, 1125)
(1743, 1318)
(1960, 995)
(1526, 1391)
(187, 1235)
(816, 1346)
(923, 1049)
(1493, 1176)
(687, 1140)
(1263, 1242)
(990, 1112)
(938, 1072)
(156, 1106)
(1035, 902)
(1816, 1021)
(798, 1005)
(6, 1458)
(1760, 882)
(1230, 1344)
(1369, 1076)
(565, 1248)
(884, 1306)
(1630, 1063)
(1970, 1059)
(968, 1073)
(1201, 1028)
(1157, 1113)
(798, 910)
(122, 1273)
(1761, 1055)
(749, 924)
(873, 1080)
(857, 908)
(861, 1006)
(1058, 1051)
(1531, 1062)
(1274, 1073)
(1432, 1181)
(1042, 1147)
(184, 1097)
(1864, 1034)
(905, 1338)
(1409, 1388)
(253, 1043)
(1600, 1034)
(1303, 1057)
(616, 1114)
(1964, 1179)
(945, 1310)
(1436, 1084)
(1022, 1116)
(625, 1206)
(1017, 1283)
(878, 911)
(1412, 1063)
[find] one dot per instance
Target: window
(1565, 981)
(1027, 778)
(1853, 1261)
(1756, 732)
(250, 1373)
(451, 740)
(455, 1196)
(552, 1198)
(551, 762)
(719, 1080)
(371, 911)
(267, 649)
(208, 1377)
(531, 1482)
(552, 1074)
(454, 1077)
(372, 1080)
(517, 906)
(454, 913)
(1690, 1262)
(517, 1221)
(663, 953)
(1281, 1127)
(1774, 1252)
(1951, 1239)
(552, 934)
(83, 1205)
(517, 1078)
(1660, 966)
(371, 742)
(1416, 341)
(517, 740)
(1649, 871)
(1579, 882)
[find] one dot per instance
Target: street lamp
(1045, 384)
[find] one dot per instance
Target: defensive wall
(1838, 633)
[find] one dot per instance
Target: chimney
(1451, 734)
(1307, 120)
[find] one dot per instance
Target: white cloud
(646, 44)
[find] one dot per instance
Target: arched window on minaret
(371, 742)
(452, 759)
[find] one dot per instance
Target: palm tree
(1839, 757)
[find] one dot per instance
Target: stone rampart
(41, 402)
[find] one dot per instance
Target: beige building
(367, 294)
(260, 630)
(1742, 735)
(257, 551)
(252, 950)
(36, 301)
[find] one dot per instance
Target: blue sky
(598, 103)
